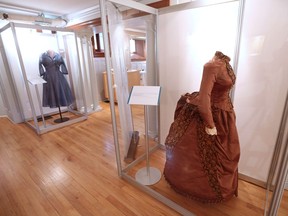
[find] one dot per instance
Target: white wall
(174, 2)
(262, 83)
(100, 67)
(9, 105)
(262, 79)
(2, 107)
(187, 40)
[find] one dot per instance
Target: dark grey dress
(56, 92)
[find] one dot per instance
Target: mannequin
(202, 145)
(51, 53)
(56, 92)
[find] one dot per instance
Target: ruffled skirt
(56, 92)
(198, 165)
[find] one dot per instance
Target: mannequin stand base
(150, 178)
(59, 120)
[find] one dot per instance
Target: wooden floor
(72, 172)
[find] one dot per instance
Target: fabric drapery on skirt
(198, 165)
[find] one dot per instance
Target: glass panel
(101, 41)
(257, 108)
(200, 54)
(261, 77)
(262, 87)
(36, 46)
(88, 72)
(132, 46)
(127, 73)
(190, 45)
(15, 69)
(8, 95)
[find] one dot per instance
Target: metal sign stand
(146, 95)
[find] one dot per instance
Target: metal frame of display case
(44, 128)
(122, 172)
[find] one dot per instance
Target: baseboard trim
(252, 180)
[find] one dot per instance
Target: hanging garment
(56, 92)
(198, 165)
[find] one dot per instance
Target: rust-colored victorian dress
(201, 166)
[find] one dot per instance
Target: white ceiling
(52, 7)
(74, 11)
(61, 8)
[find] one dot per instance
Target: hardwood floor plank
(73, 172)
(120, 205)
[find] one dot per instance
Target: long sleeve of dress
(204, 104)
(63, 67)
(41, 68)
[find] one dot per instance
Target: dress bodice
(214, 90)
(220, 94)
(51, 63)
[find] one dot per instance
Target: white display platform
(35, 81)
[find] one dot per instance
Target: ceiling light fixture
(36, 20)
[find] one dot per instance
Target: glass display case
(182, 49)
(44, 71)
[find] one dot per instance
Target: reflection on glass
(23, 45)
(183, 62)
(132, 46)
(257, 45)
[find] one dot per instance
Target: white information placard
(144, 95)
(36, 80)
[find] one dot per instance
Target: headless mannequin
(52, 53)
